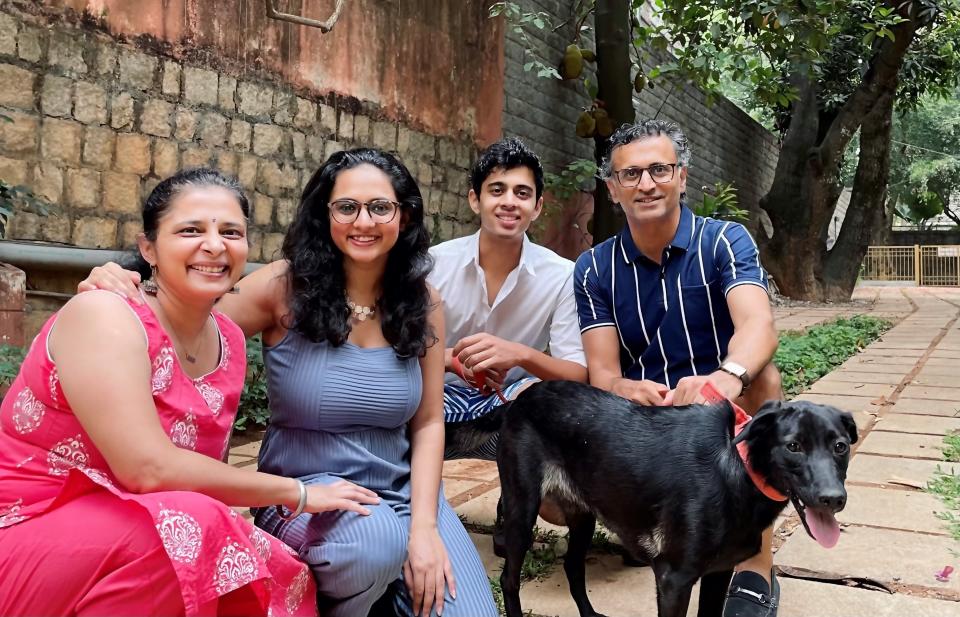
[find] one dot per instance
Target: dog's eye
(840, 448)
(793, 446)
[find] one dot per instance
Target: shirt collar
(526, 257)
(684, 235)
(681, 239)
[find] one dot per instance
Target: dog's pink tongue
(823, 525)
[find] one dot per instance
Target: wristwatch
(737, 371)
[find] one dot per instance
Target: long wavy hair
(316, 278)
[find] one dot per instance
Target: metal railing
(921, 265)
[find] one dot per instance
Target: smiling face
(201, 246)
(364, 241)
(648, 201)
(507, 202)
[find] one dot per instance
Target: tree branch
(867, 213)
(881, 76)
(325, 26)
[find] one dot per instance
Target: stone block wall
(727, 144)
(96, 122)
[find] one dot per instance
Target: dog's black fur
(667, 480)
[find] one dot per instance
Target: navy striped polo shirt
(672, 319)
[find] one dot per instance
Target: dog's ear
(762, 421)
(850, 425)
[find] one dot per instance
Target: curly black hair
(317, 281)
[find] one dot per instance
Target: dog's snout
(835, 500)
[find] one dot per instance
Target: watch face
(736, 369)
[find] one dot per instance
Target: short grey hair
(629, 133)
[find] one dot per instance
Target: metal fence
(922, 265)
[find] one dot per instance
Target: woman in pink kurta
(105, 506)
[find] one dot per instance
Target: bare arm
(488, 352)
(427, 563)
(123, 413)
(259, 306)
(754, 338)
(752, 346)
(602, 349)
(261, 300)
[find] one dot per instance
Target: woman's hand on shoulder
(111, 277)
(427, 571)
(341, 495)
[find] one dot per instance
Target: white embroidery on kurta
(27, 412)
(225, 362)
(180, 534)
(183, 432)
(9, 515)
(67, 454)
(52, 381)
(97, 476)
(211, 395)
(296, 591)
(261, 543)
(236, 567)
(162, 370)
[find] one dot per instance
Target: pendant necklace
(358, 312)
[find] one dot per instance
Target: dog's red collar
(713, 395)
(759, 481)
(478, 381)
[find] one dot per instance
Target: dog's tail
(471, 435)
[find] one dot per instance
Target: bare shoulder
(98, 305)
(97, 316)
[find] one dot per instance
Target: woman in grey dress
(353, 343)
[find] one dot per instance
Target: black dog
(668, 481)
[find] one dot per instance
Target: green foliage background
(805, 357)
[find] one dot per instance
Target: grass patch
(11, 357)
(804, 357)
(947, 487)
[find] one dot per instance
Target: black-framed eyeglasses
(379, 210)
(661, 173)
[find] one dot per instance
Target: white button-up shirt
(535, 306)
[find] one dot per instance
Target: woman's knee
(368, 554)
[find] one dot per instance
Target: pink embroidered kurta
(46, 459)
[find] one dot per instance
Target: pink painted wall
(437, 65)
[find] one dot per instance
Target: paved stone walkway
(904, 390)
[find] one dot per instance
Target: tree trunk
(800, 202)
(614, 88)
(806, 183)
(867, 215)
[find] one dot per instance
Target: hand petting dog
(689, 389)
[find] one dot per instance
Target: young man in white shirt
(507, 301)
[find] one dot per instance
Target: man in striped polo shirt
(675, 300)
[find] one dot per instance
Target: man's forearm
(753, 345)
(548, 368)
